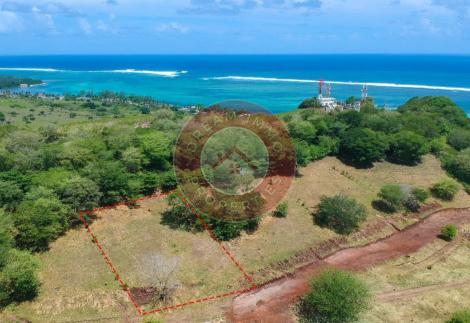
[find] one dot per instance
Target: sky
(234, 26)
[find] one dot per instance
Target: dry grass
(77, 285)
(279, 239)
(434, 305)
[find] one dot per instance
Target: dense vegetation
(403, 136)
(49, 173)
(7, 82)
(335, 297)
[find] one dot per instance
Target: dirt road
(271, 302)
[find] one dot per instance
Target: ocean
(277, 82)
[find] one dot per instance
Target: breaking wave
(32, 69)
(371, 84)
(150, 72)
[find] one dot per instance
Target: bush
(421, 194)
(392, 197)
(407, 148)
(18, 279)
(459, 139)
(335, 297)
(281, 210)
(459, 165)
(362, 147)
(310, 103)
(340, 213)
(179, 216)
(302, 130)
(445, 190)
(462, 316)
(411, 203)
(448, 232)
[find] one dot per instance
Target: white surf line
(373, 84)
(32, 69)
(149, 72)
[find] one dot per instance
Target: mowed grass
(422, 269)
(78, 285)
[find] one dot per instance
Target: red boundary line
(124, 286)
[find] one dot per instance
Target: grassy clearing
(279, 239)
(434, 305)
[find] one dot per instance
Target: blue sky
(234, 26)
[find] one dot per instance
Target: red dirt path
(271, 302)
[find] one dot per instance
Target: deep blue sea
(277, 82)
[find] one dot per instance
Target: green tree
(79, 193)
(459, 138)
(334, 297)
(2, 117)
(179, 216)
(18, 279)
(157, 150)
(340, 213)
(362, 147)
(302, 130)
(407, 148)
(112, 180)
(310, 103)
(11, 194)
(458, 165)
(445, 190)
(40, 218)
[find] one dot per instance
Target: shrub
(445, 190)
(459, 139)
(462, 316)
(407, 148)
(335, 297)
(281, 210)
(340, 213)
(310, 103)
(179, 216)
(448, 232)
(18, 279)
(459, 165)
(228, 230)
(411, 203)
(421, 194)
(362, 147)
(392, 197)
(302, 130)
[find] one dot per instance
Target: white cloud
(10, 22)
(173, 26)
(85, 26)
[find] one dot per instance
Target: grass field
(77, 284)
(440, 283)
